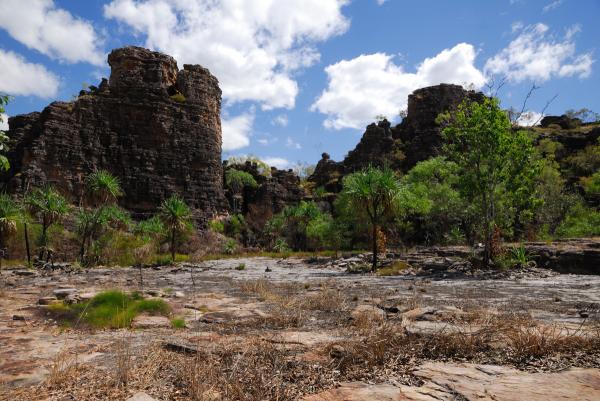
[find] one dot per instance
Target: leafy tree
(430, 200)
(10, 214)
(497, 165)
(372, 192)
(237, 181)
(49, 207)
(176, 217)
(4, 164)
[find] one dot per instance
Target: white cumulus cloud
(536, 55)
(529, 118)
(52, 31)
(278, 162)
(253, 47)
(19, 77)
(3, 122)
(369, 85)
(237, 131)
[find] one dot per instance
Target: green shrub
(230, 246)
(581, 221)
(217, 226)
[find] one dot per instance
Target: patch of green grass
(394, 269)
(178, 323)
(241, 266)
(109, 309)
(164, 259)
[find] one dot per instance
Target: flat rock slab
(447, 382)
(358, 391)
(150, 322)
(488, 382)
(141, 397)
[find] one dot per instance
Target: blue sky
(301, 77)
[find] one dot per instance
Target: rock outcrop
(417, 138)
(155, 127)
(273, 193)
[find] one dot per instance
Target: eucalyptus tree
(497, 166)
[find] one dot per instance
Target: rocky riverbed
(290, 329)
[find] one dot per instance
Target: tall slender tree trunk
(173, 246)
(374, 266)
(26, 232)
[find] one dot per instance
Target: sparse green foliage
(237, 181)
(178, 97)
(241, 266)
(176, 216)
(372, 193)
(217, 226)
(10, 214)
(592, 184)
(230, 246)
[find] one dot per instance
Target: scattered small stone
(268, 270)
(62, 293)
(18, 317)
(337, 351)
(180, 347)
(47, 300)
(584, 314)
(179, 294)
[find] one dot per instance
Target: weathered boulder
(156, 128)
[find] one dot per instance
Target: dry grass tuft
(64, 367)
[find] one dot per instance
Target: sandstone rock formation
(156, 128)
(273, 193)
(417, 138)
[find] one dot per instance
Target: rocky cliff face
(417, 138)
(156, 128)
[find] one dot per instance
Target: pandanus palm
(373, 192)
(104, 187)
(49, 207)
(176, 217)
